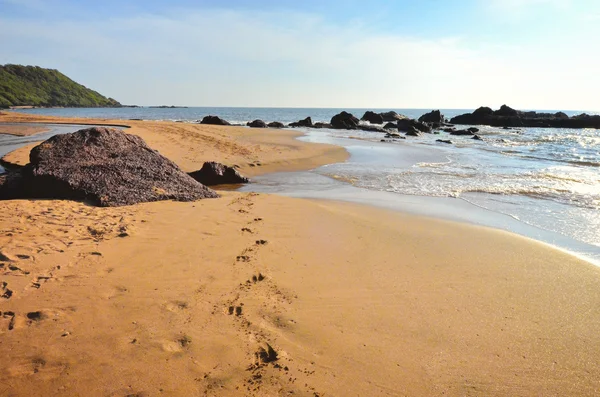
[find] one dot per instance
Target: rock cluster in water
(509, 117)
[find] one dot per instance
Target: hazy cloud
(234, 58)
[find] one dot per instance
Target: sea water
(544, 178)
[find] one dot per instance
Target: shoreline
(179, 298)
(551, 239)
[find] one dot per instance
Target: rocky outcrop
(257, 124)
(213, 173)
(372, 117)
(344, 121)
(321, 125)
(275, 124)
(214, 120)
(103, 166)
(307, 122)
(435, 116)
(509, 117)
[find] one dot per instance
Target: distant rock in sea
(213, 173)
(509, 117)
(103, 166)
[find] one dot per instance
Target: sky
(449, 54)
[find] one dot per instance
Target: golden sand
(178, 299)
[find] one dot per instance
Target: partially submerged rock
(104, 166)
(214, 120)
(213, 173)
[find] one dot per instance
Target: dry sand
(354, 300)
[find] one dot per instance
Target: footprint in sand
(261, 242)
(7, 321)
(177, 306)
(38, 366)
(4, 291)
(248, 230)
(9, 269)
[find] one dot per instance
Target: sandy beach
(262, 295)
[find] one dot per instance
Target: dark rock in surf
(507, 117)
(321, 125)
(275, 124)
(444, 141)
(409, 124)
(477, 138)
(372, 117)
(257, 124)
(214, 120)
(344, 121)
(307, 122)
(461, 132)
(391, 116)
(473, 129)
(435, 116)
(213, 173)
(105, 167)
(390, 126)
(413, 132)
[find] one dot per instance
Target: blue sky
(540, 54)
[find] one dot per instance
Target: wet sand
(179, 298)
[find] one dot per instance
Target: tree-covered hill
(35, 86)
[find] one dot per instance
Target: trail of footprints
(266, 363)
(8, 318)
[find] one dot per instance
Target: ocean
(543, 179)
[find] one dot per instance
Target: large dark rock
(275, 124)
(509, 117)
(344, 121)
(389, 126)
(307, 122)
(391, 116)
(257, 124)
(213, 173)
(214, 120)
(372, 117)
(321, 125)
(105, 167)
(435, 116)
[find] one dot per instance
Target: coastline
(355, 300)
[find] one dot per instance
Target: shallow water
(8, 143)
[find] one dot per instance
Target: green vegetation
(35, 86)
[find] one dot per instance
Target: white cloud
(289, 59)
